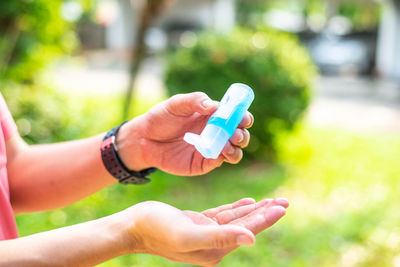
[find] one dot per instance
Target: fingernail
(207, 103)
(241, 137)
(251, 121)
(244, 240)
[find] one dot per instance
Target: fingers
(281, 202)
(245, 222)
(211, 213)
(240, 138)
(247, 121)
(243, 201)
(218, 237)
(199, 218)
(265, 219)
(187, 104)
(229, 215)
(262, 218)
(232, 154)
(232, 151)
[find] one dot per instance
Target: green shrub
(274, 64)
(45, 116)
(32, 35)
(39, 114)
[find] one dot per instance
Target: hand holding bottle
(155, 139)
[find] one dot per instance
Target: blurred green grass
(343, 188)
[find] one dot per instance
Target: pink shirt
(8, 228)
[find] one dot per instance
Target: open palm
(204, 238)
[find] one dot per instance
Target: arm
(44, 177)
(83, 244)
(149, 227)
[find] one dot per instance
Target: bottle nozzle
(210, 143)
(195, 139)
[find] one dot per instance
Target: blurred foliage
(250, 13)
(32, 35)
(274, 64)
(43, 116)
(343, 188)
(364, 15)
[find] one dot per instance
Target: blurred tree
(32, 33)
(364, 14)
(148, 12)
(249, 13)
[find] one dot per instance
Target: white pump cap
(211, 141)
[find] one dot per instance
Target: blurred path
(104, 72)
(356, 104)
(340, 102)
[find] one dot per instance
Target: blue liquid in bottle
(222, 124)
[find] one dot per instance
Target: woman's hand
(199, 238)
(155, 139)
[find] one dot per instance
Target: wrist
(131, 144)
(116, 231)
(133, 241)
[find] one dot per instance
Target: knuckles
(237, 156)
(220, 243)
(199, 95)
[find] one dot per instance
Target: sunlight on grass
(342, 187)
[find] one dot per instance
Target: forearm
(49, 176)
(83, 244)
(43, 177)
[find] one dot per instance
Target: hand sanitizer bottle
(222, 124)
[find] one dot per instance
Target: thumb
(219, 236)
(187, 104)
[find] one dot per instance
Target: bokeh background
(326, 77)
